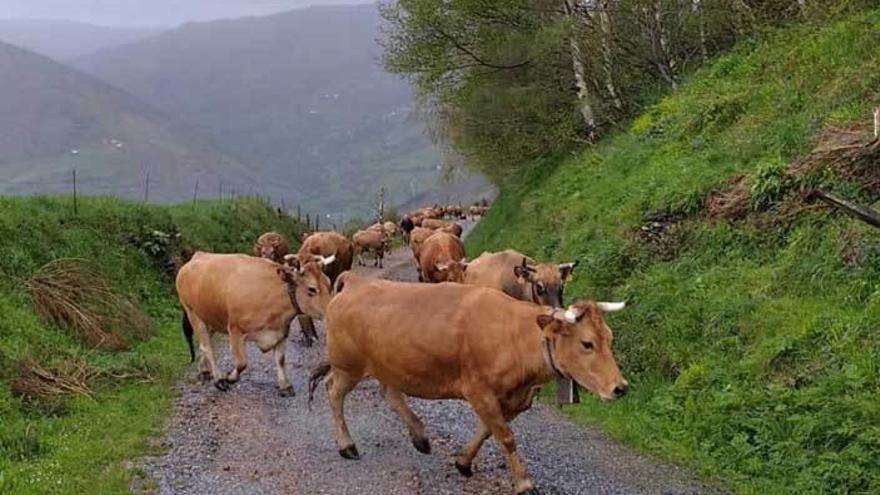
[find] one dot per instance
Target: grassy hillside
(78, 442)
(752, 338)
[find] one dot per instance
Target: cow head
(309, 284)
(452, 271)
(545, 282)
(272, 246)
(580, 346)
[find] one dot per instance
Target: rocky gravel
(250, 441)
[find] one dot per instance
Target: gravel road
(252, 441)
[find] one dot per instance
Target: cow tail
(188, 335)
(321, 371)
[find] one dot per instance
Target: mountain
(300, 95)
(66, 40)
(54, 119)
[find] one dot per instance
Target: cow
(418, 237)
(328, 244)
(520, 277)
(370, 240)
(442, 259)
(247, 298)
(272, 246)
(323, 245)
(452, 228)
(434, 223)
(479, 345)
(390, 228)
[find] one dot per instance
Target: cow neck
(291, 293)
(549, 359)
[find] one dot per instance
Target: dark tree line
(504, 81)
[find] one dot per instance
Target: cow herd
(490, 332)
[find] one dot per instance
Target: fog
(154, 13)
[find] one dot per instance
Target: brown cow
(442, 259)
(390, 228)
(328, 244)
(249, 299)
(453, 228)
(272, 246)
(373, 240)
(479, 345)
(324, 245)
(434, 223)
(520, 277)
(418, 237)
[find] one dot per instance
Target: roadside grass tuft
(751, 337)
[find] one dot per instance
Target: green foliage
(753, 353)
(79, 445)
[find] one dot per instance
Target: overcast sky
(150, 12)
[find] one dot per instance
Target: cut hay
(730, 203)
(71, 377)
(852, 153)
(72, 294)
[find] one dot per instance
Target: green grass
(754, 354)
(81, 445)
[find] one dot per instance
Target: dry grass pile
(72, 294)
(72, 376)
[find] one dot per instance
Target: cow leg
(338, 386)
(285, 389)
(206, 346)
(465, 458)
(491, 414)
(239, 353)
(204, 368)
(415, 426)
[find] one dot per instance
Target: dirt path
(251, 441)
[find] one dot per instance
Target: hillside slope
(751, 338)
(302, 94)
(54, 119)
(57, 440)
(66, 40)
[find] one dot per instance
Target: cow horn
(610, 307)
(328, 260)
(568, 266)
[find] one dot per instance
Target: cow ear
(566, 271)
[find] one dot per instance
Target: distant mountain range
(299, 97)
(54, 119)
(66, 40)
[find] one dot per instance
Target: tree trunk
(697, 9)
(580, 79)
(607, 56)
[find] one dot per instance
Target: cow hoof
(350, 452)
(287, 392)
(205, 376)
(222, 384)
(529, 491)
(306, 342)
(465, 470)
(422, 445)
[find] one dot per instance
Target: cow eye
(541, 289)
(587, 345)
(313, 291)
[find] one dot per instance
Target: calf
(249, 299)
(442, 259)
(479, 345)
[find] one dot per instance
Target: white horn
(328, 260)
(611, 307)
(571, 315)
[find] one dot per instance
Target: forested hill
(300, 95)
